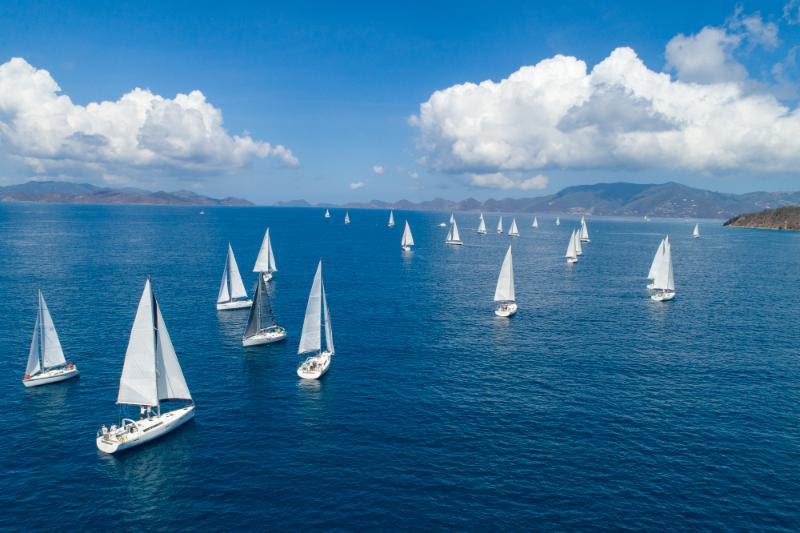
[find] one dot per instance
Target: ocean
(592, 408)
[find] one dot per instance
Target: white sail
(504, 292)
(500, 224)
(452, 234)
(535, 222)
(52, 354)
(170, 381)
(34, 354)
(265, 262)
(578, 247)
(452, 218)
(347, 217)
(558, 221)
(310, 338)
(664, 279)
(327, 214)
(326, 312)
(513, 231)
(571, 253)
(696, 230)
(137, 385)
(482, 225)
(654, 266)
(584, 230)
(224, 293)
(236, 287)
(408, 239)
(391, 219)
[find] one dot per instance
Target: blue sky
(335, 86)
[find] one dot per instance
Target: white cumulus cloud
(141, 133)
(498, 180)
(378, 169)
(357, 185)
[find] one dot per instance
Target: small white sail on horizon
(317, 319)
(265, 262)
(327, 214)
(500, 224)
(452, 217)
(696, 231)
(482, 226)
(347, 217)
(584, 236)
(46, 361)
(504, 291)
(453, 237)
(407, 241)
(232, 294)
(535, 222)
(513, 231)
(391, 219)
(571, 255)
(558, 221)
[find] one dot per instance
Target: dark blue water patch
(592, 407)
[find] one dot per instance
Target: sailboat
(500, 224)
(232, 294)
(151, 374)
(46, 362)
(453, 237)
(407, 241)
(578, 247)
(584, 230)
(261, 327)
(482, 226)
(696, 231)
(265, 262)
(452, 217)
(664, 283)
(327, 214)
(513, 231)
(391, 219)
(571, 255)
(656, 264)
(535, 222)
(504, 292)
(347, 217)
(317, 318)
(558, 221)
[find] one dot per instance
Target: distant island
(84, 193)
(782, 218)
(671, 200)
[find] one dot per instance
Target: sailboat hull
(506, 310)
(407, 248)
(51, 376)
(664, 296)
(572, 260)
(268, 336)
(513, 234)
(455, 243)
(315, 366)
(266, 276)
(138, 432)
(235, 304)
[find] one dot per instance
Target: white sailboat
(327, 214)
(391, 219)
(318, 318)
(578, 247)
(232, 294)
(452, 217)
(261, 327)
(482, 226)
(535, 222)
(46, 362)
(571, 255)
(407, 241)
(453, 237)
(500, 224)
(265, 262)
(513, 231)
(151, 374)
(664, 282)
(347, 217)
(558, 221)
(656, 263)
(504, 292)
(584, 230)
(696, 231)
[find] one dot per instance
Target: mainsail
(571, 252)
(558, 221)
(482, 225)
(391, 219)
(696, 230)
(317, 317)
(664, 279)
(513, 230)
(231, 286)
(535, 222)
(45, 351)
(260, 312)
(504, 292)
(578, 247)
(584, 230)
(656, 264)
(408, 239)
(500, 224)
(265, 262)
(452, 233)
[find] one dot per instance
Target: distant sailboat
(453, 237)
(535, 222)
(513, 231)
(656, 263)
(696, 231)
(578, 247)
(646, 218)
(347, 217)
(232, 294)
(265, 262)
(572, 254)
(500, 224)
(452, 217)
(150, 375)
(327, 214)
(482, 226)
(664, 283)
(584, 230)
(317, 318)
(558, 221)
(504, 292)
(407, 241)
(261, 327)
(46, 362)
(391, 219)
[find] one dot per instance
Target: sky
(354, 101)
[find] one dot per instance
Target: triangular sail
(52, 354)
(454, 235)
(664, 279)
(265, 262)
(326, 312)
(452, 218)
(327, 214)
(237, 289)
(500, 224)
(513, 230)
(535, 222)
(482, 225)
(584, 230)
(408, 239)
(391, 219)
(254, 320)
(34, 354)
(578, 247)
(347, 217)
(558, 221)
(137, 384)
(696, 230)
(310, 338)
(170, 381)
(654, 266)
(224, 293)
(504, 292)
(571, 253)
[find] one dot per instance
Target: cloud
(140, 134)
(498, 180)
(378, 169)
(357, 185)
(791, 12)
(558, 114)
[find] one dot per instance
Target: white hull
(135, 433)
(506, 310)
(442, 225)
(236, 304)
(268, 336)
(315, 366)
(457, 243)
(51, 376)
(513, 234)
(662, 296)
(572, 260)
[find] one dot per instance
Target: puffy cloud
(706, 57)
(378, 169)
(140, 133)
(357, 185)
(755, 29)
(558, 114)
(498, 180)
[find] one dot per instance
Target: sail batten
(504, 292)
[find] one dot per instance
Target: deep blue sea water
(592, 408)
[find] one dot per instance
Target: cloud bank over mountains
(141, 133)
(559, 114)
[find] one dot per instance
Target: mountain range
(84, 193)
(611, 199)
